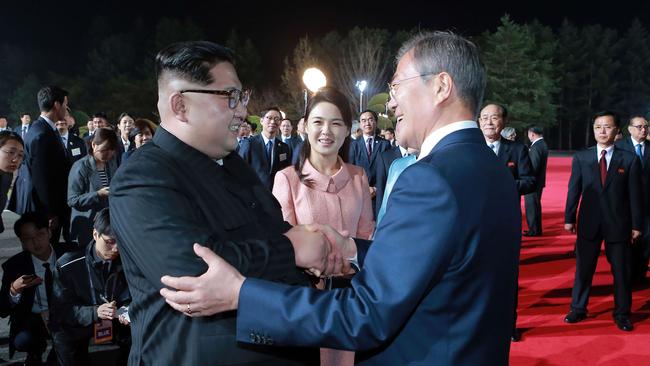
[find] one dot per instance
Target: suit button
(253, 205)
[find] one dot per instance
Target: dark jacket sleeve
(70, 307)
(5, 302)
(636, 194)
(80, 195)
(526, 181)
(574, 193)
(43, 174)
(157, 221)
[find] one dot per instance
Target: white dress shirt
(432, 140)
(608, 155)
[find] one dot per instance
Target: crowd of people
(389, 246)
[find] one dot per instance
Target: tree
(24, 97)
(292, 85)
(248, 61)
(520, 72)
(634, 81)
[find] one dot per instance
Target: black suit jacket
(359, 156)
(538, 154)
(16, 266)
(195, 200)
(253, 152)
(626, 144)
(42, 181)
(514, 155)
(119, 152)
(385, 160)
(613, 210)
(76, 148)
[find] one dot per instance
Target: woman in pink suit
(321, 187)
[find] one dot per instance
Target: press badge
(76, 151)
(103, 331)
(283, 157)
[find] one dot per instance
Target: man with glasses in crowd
(638, 129)
(265, 152)
(200, 191)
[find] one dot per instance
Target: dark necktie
(24, 131)
(639, 153)
(269, 150)
(65, 145)
(48, 282)
(603, 167)
(369, 147)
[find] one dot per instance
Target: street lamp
(362, 86)
(313, 79)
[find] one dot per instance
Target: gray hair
(507, 132)
(436, 52)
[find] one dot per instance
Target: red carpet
(546, 277)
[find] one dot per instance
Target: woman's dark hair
(122, 115)
(139, 125)
(6, 136)
(329, 95)
(101, 136)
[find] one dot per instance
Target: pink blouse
(342, 200)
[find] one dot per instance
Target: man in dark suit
(100, 120)
(203, 192)
(25, 122)
(91, 130)
(513, 155)
(638, 129)
(265, 152)
(433, 289)
(4, 124)
(24, 295)
(294, 141)
(608, 180)
(538, 154)
(365, 151)
(42, 182)
(75, 146)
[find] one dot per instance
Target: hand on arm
(107, 310)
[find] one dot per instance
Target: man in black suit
(608, 180)
(100, 120)
(201, 192)
(75, 146)
(538, 154)
(91, 130)
(24, 295)
(638, 129)
(287, 136)
(265, 152)
(25, 122)
(4, 124)
(365, 151)
(514, 155)
(42, 182)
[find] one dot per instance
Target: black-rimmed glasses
(235, 96)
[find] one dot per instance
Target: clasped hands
(319, 249)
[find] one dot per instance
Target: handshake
(319, 249)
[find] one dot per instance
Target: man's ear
(178, 106)
(443, 86)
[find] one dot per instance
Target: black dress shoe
(529, 233)
(516, 336)
(623, 323)
(574, 317)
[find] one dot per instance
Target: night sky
(275, 26)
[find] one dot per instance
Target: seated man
(90, 287)
(24, 296)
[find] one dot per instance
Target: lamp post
(361, 85)
(313, 79)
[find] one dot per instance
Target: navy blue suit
(253, 151)
(435, 287)
(359, 157)
(385, 160)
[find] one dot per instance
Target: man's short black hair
(102, 223)
(272, 108)
(38, 219)
(536, 130)
(374, 114)
(191, 61)
(390, 129)
(48, 95)
(614, 115)
(101, 115)
(22, 114)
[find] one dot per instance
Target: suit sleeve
(68, 306)
(636, 194)
(352, 156)
(282, 192)
(535, 155)
(43, 174)
(79, 195)
(366, 224)
(162, 244)
(383, 294)
(381, 174)
(526, 181)
(5, 302)
(574, 193)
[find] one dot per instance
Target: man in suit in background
(100, 120)
(25, 122)
(42, 182)
(636, 143)
(26, 287)
(75, 146)
(389, 135)
(294, 141)
(365, 151)
(190, 176)
(608, 180)
(4, 124)
(538, 154)
(433, 289)
(91, 130)
(266, 153)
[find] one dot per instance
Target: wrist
(350, 250)
(13, 290)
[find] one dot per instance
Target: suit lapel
(614, 164)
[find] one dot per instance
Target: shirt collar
(365, 138)
(65, 136)
(434, 137)
(537, 139)
(635, 142)
(608, 149)
(325, 183)
(51, 259)
(402, 150)
(266, 141)
(49, 122)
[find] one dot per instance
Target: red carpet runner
(547, 268)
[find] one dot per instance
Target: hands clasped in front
(319, 249)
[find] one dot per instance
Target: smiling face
(271, 123)
(326, 129)
(286, 128)
(367, 123)
(491, 121)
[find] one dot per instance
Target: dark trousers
(640, 254)
(618, 256)
(533, 204)
(32, 338)
(71, 349)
